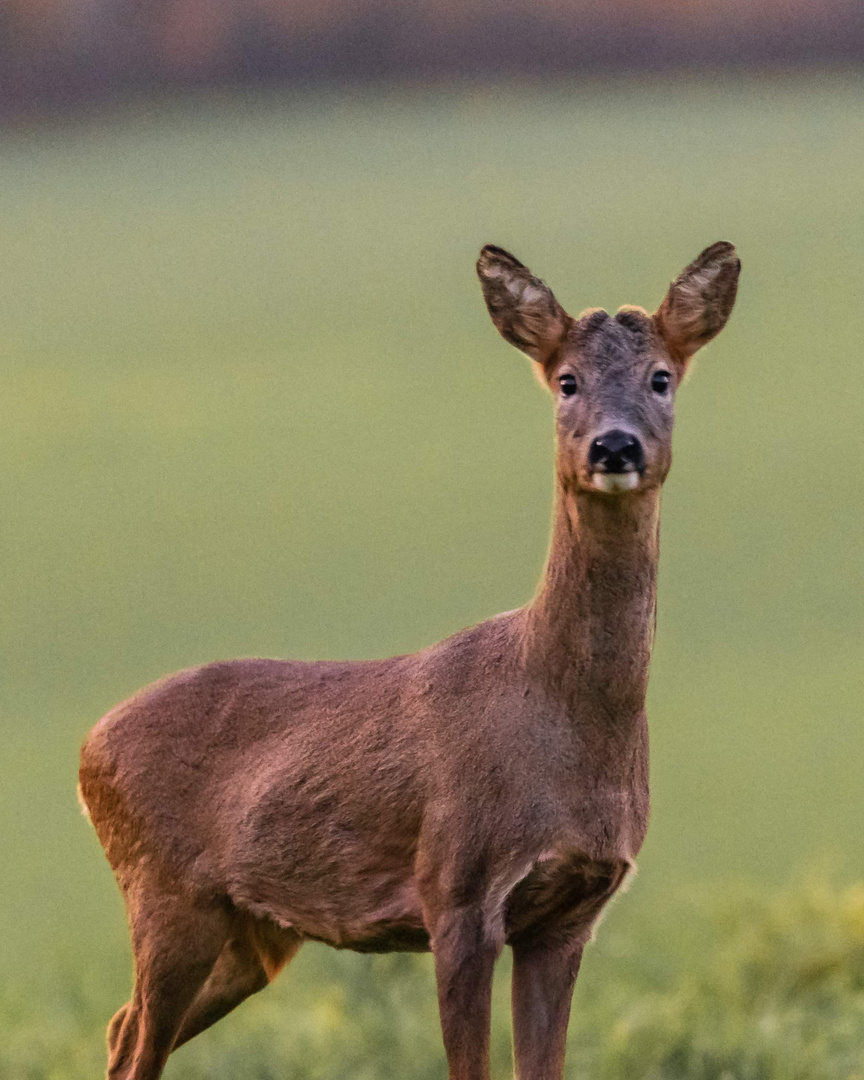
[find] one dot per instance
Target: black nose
(616, 452)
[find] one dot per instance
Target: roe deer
(489, 790)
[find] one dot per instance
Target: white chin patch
(614, 482)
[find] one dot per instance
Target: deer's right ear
(521, 305)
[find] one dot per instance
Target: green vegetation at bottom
(743, 988)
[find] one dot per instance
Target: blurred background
(251, 404)
(61, 50)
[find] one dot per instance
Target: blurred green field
(251, 404)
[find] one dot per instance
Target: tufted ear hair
(699, 302)
(521, 305)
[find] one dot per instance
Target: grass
(759, 988)
(250, 403)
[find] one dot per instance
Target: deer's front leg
(544, 974)
(465, 955)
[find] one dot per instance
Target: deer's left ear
(521, 305)
(699, 301)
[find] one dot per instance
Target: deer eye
(660, 382)
(568, 385)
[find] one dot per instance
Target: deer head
(614, 377)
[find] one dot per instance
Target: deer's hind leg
(176, 942)
(250, 960)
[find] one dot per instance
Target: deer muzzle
(616, 460)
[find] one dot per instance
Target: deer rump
(339, 801)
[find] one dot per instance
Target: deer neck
(590, 627)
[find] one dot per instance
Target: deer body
(489, 790)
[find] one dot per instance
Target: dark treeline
(62, 51)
